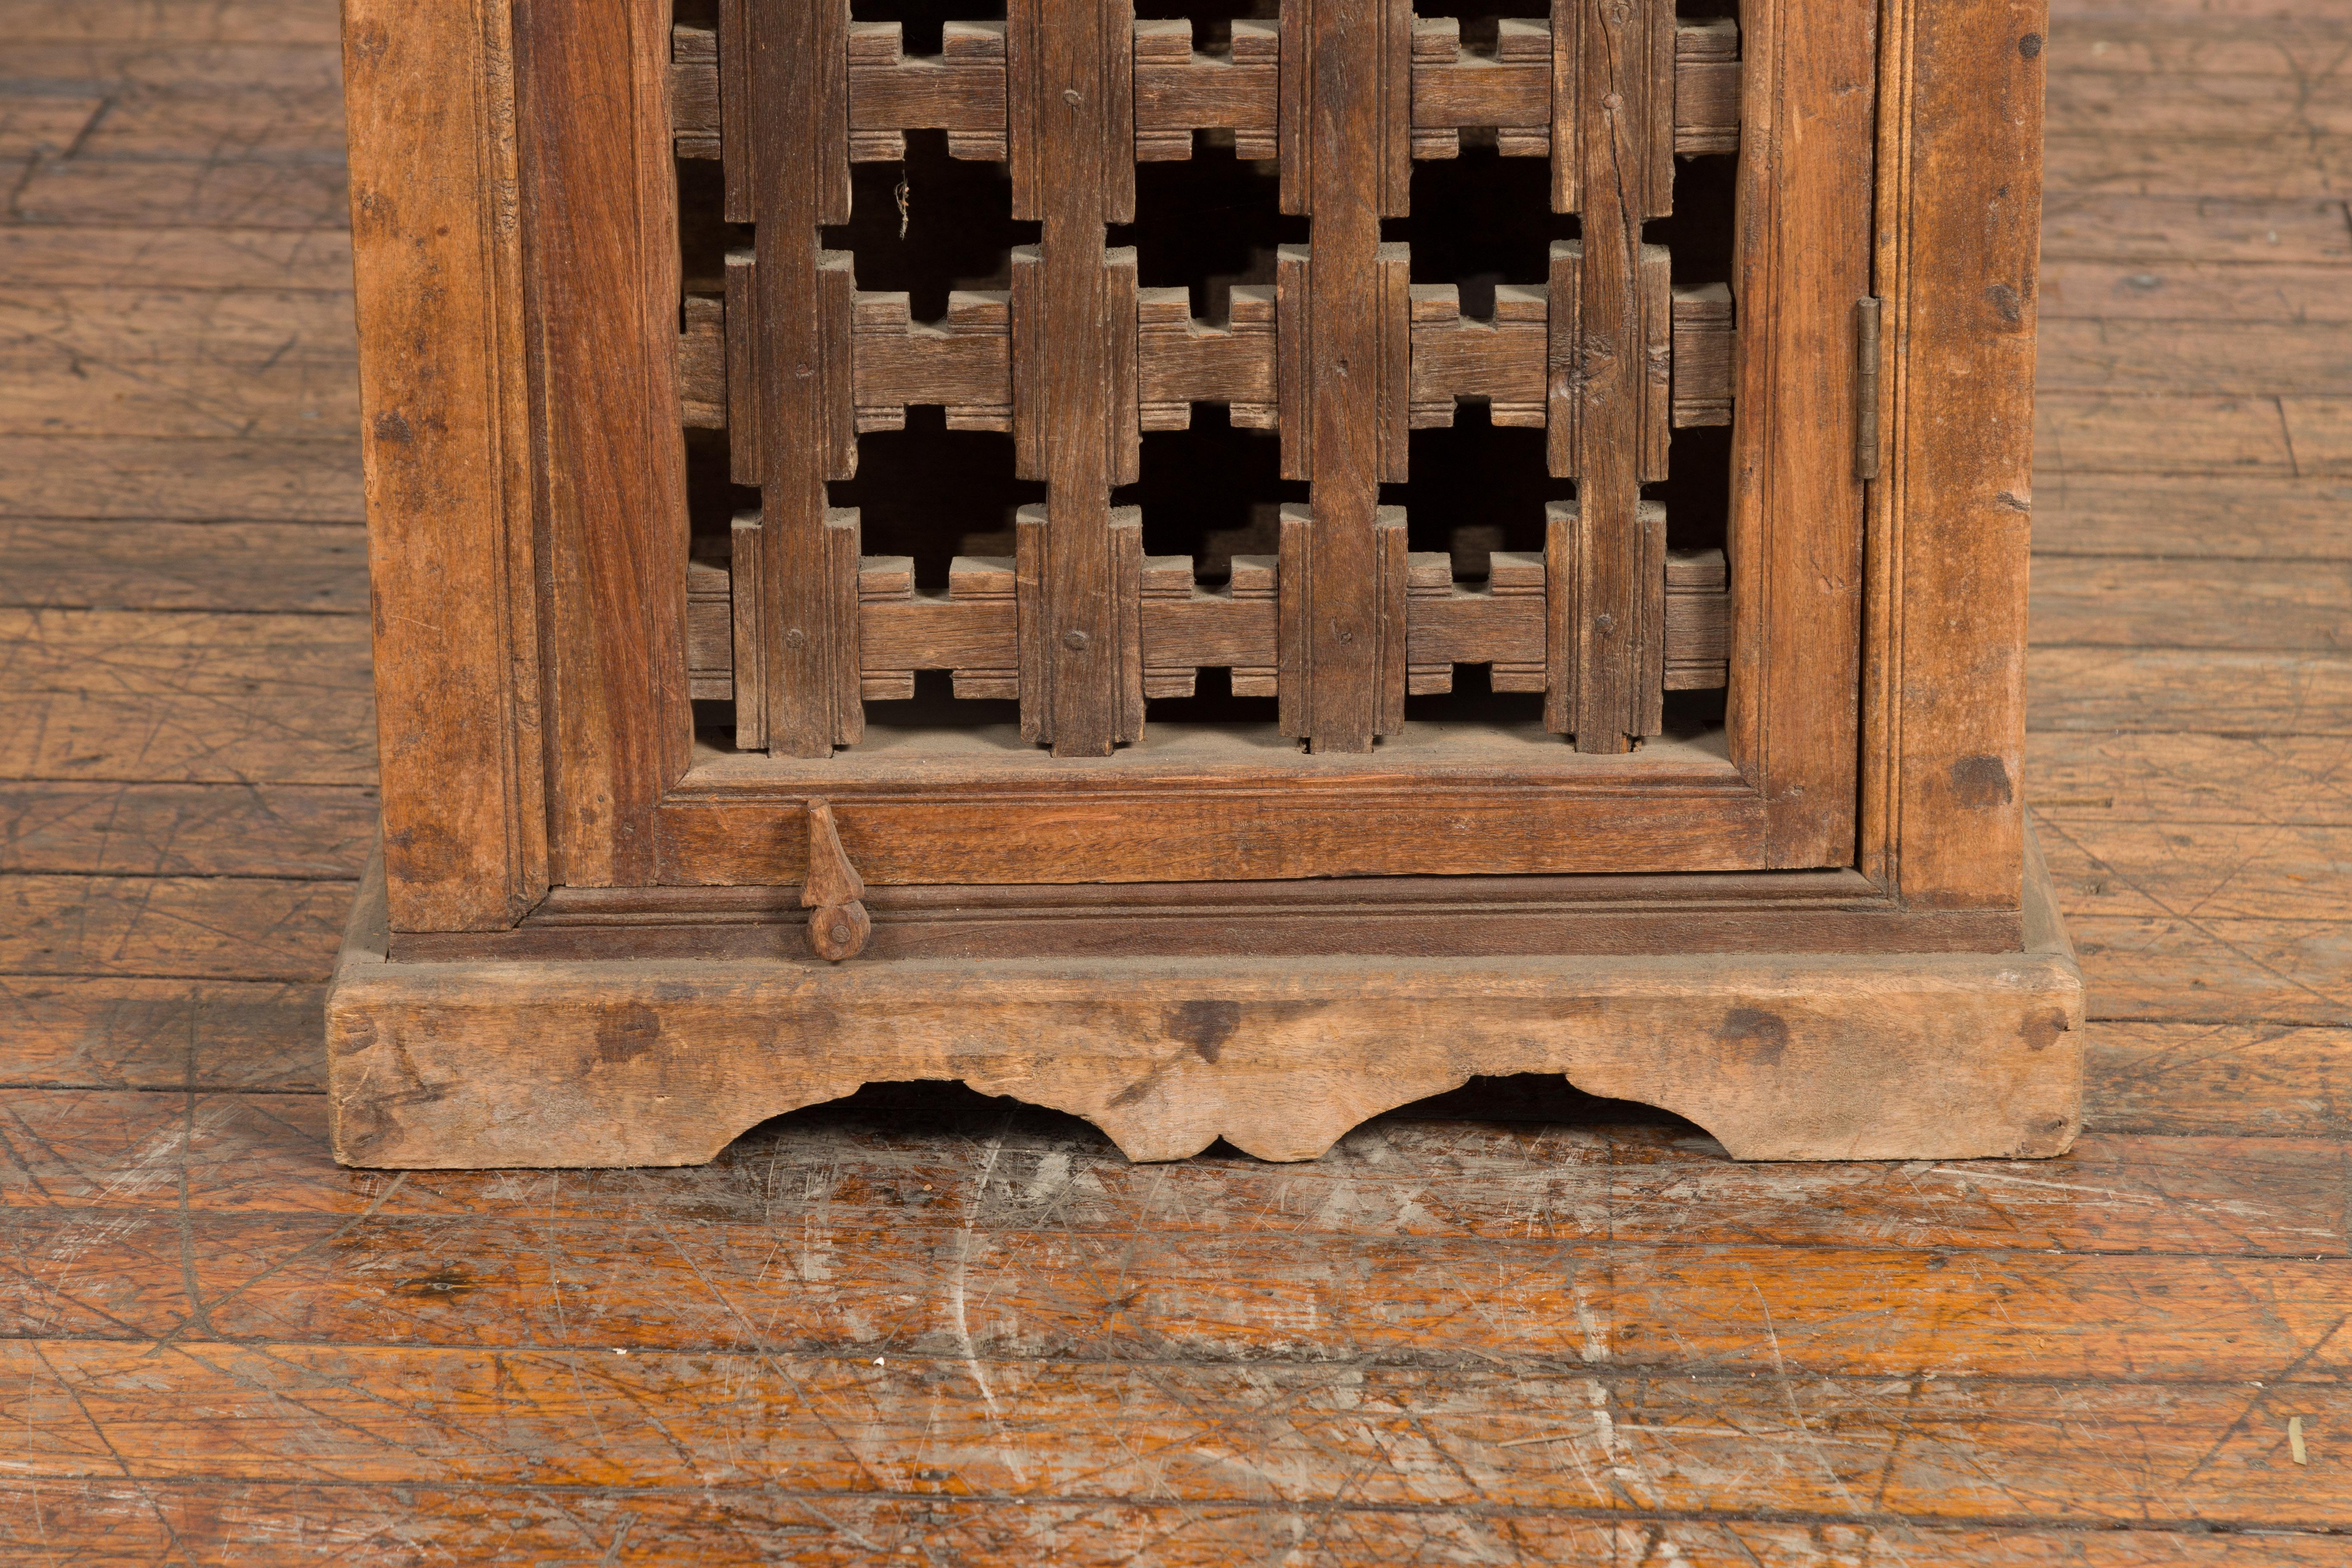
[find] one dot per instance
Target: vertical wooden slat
(736, 160)
(1656, 304)
(1350, 91)
(799, 70)
(1962, 137)
(1125, 411)
(600, 187)
(837, 361)
(1808, 142)
(1650, 619)
(1566, 117)
(1127, 604)
(1292, 378)
(1116, 98)
(746, 582)
(1295, 647)
(1033, 662)
(1024, 98)
(1393, 316)
(1076, 417)
(743, 420)
(1564, 323)
(1294, 146)
(1622, 306)
(1026, 307)
(445, 441)
(1563, 612)
(841, 545)
(1395, 587)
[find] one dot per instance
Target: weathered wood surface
(2192, 805)
(656, 1526)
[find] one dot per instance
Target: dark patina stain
(1760, 1035)
(2040, 1031)
(627, 1032)
(447, 1280)
(2029, 45)
(391, 427)
(1980, 782)
(2004, 300)
(1203, 1025)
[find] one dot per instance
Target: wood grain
(1803, 1058)
(193, 830)
(1972, 122)
(2192, 515)
(451, 542)
(2130, 600)
(137, 478)
(2243, 356)
(652, 1525)
(2196, 292)
(2223, 1156)
(2281, 694)
(115, 1033)
(2120, 228)
(1943, 1450)
(618, 725)
(198, 927)
(149, 565)
(173, 22)
(1796, 503)
(283, 195)
(2173, 776)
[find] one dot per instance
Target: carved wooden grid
(1343, 355)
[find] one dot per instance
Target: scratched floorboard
(1511, 1325)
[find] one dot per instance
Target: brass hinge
(1866, 355)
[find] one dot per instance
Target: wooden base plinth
(500, 1062)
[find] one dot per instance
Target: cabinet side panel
(598, 211)
(1959, 487)
(446, 449)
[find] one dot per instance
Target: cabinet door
(1330, 442)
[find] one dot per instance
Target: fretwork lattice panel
(1341, 356)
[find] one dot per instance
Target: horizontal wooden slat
(270, 22)
(191, 830)
(2158, 163)
(1947, 1449)
(2311, 293)
(1178, 92)
(219, 928)
(2132, 601)
(319, 568)
(2172, 776)
(2248, 358)
(288, 195)
(1194, 1296)
(2233, 870)
(1212, 629)
(965, 360)
(2177, 228)
(147, 1520)
(1481, 1168)
(131, 1033)
(138, 478)
(2101, 689)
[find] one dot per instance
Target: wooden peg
(838, 926)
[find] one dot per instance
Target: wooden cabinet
(1221, 574)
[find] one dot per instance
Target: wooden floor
(940, 1329)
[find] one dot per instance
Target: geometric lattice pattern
(1343, 355)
